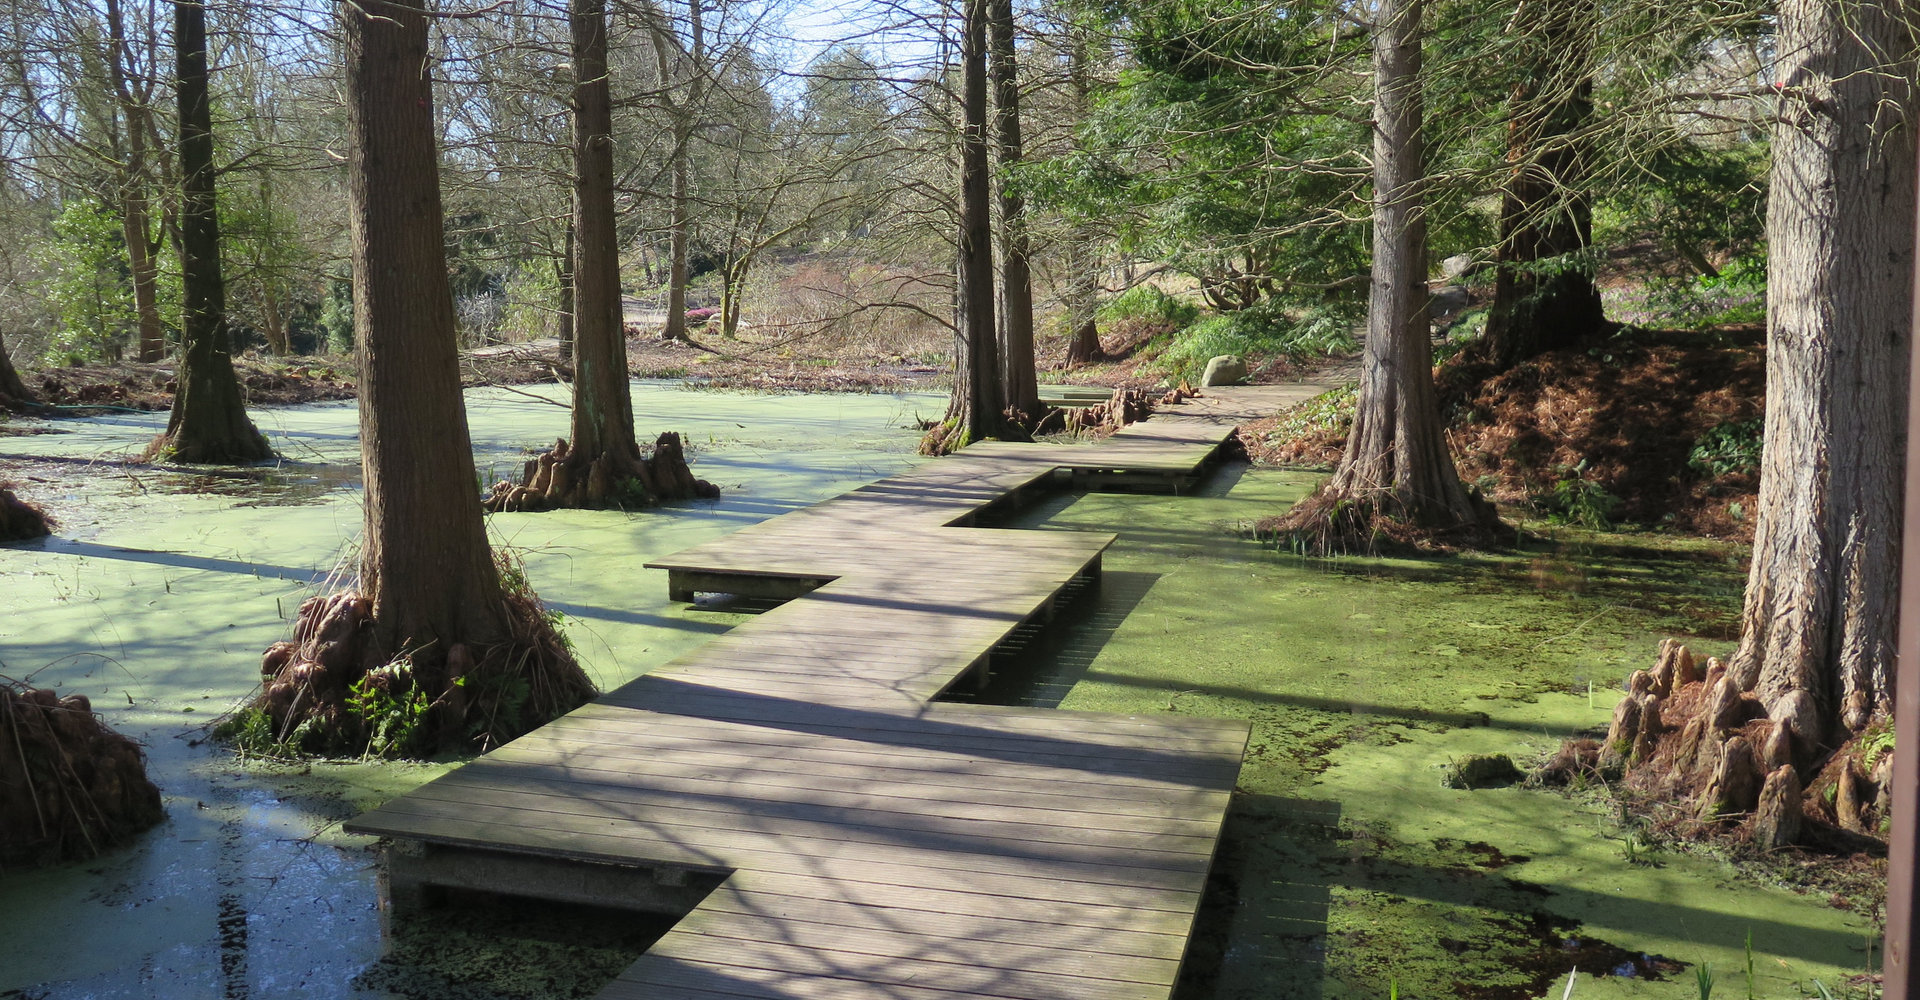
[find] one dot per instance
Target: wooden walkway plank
(874, 843)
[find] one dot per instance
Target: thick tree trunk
(433, 621)
(209, 419)
(424, 561)
(1545, 212)
(977, 410)
(1083, 306)
(13, 391)
(1817, 642)
(1016, 278)
(1083, 272)
(1396, 466)
(144, 271)
(603, 464)
(602, 403)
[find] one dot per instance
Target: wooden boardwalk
(834, 832)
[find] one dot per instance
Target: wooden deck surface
(876, 843)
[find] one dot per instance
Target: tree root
(70, 786)
(244, 448)
(20, 520)
(561, 477)
(1701, 760)
(1326, 523)
(331, 692)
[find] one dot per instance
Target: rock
(1447, 303)
(1732, 789)
(1456, 266)
(1776, 822)
(1224, 370)
(1481, 770)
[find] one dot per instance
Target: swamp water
(1346, 867)
(162, 588)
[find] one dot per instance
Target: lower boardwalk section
(827, 828)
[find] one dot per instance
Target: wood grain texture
(880, 844)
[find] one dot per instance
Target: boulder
(1225, 369)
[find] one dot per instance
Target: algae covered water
(1347, 869)
(163, 587)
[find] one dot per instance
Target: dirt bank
(1655, 428)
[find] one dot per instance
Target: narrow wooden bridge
(830, 831)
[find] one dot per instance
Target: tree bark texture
(141, 251)
(602, 402)
(12, 389)
(135, 221)
(424, 561)
(676, 328)
(1083, 306)
(978, 407)
(602, 465)
(1817, 641)
(563, 273)
(1545, 211)
(209, 419)
(1020, 384)
(1083, 276)
(682, 194)
(1396, 459)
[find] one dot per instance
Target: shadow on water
(1040, 663)
(483, 946)
(1271, 915)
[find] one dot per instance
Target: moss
(1347, 863)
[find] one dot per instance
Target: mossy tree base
(70, 786)
(1699, 759)
(20, 520)
(242, 447)
(563, 477)
(1330, 522)
(333, 691)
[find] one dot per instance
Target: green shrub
(1735, 296)
(1577, 500)
(1730, 448)
(1330, 411)
(393, 707)
(1266, 329)
(1150, 303)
